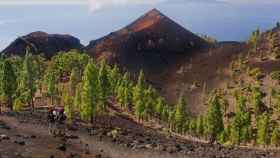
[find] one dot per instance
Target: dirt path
(29, 140)
(133, 141)
(45, 146)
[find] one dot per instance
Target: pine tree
(124, 92)
(120, 95)
(51, 82)
(193, 126)
(275, 49)
(186, 126)
(275, 136)
(241, 125)
(128, 95)
(75, 78)
(68, 106)
(17, 106)
(78, 98)
(224, 136)
(89, 93)
(138, 97)
(276, 105)
(159, 106)
(236, 130)
(241, 129)
(104, 86)
(39, 65)
(215, 123)
(171, 119)
(165, 114)
(8, 83)
(200, 126)
(241, 104)
(27, 85)
(253, 41)
(224, 104)
(149, 103)
(114, 78)
(263, 125)
(256, 100)
(275, 75)
(140, 109)
(180, 113)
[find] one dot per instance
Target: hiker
(56, 120)
(60, 122)
(51, 121)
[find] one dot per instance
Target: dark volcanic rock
(74, 155)
(4, 126)
(19, 142)
(153, 42)
(62, 147)
(4, 137)
(72, 137)
(41, 42)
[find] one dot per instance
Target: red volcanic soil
(153, 43)
(172, 57)
(196, 75)
(149, 19)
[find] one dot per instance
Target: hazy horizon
(91, 20)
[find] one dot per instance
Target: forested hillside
(152, 72)
(86, 88)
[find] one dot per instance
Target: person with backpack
(61, 122)
(56, 120)
(51, 121)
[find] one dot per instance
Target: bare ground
(29, 138)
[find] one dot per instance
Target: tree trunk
(92, 120)
(52, 101)
(40, 88)
(212, 139)
(10, 103)
(32, 105)
(270, 100)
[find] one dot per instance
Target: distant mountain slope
(265, 54)
(196, 76)
(153, 42)
(41, 42)
(174, 60)
(270, 42)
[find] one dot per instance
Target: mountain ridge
(42, 42)
(152, 42)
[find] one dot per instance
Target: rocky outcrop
(43, 43)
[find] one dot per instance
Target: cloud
(252, 1)
(100, 4)
(42, 2)
(4, 22)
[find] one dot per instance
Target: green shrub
(275, 75)
(256, 73)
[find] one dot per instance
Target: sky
(87, 20)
